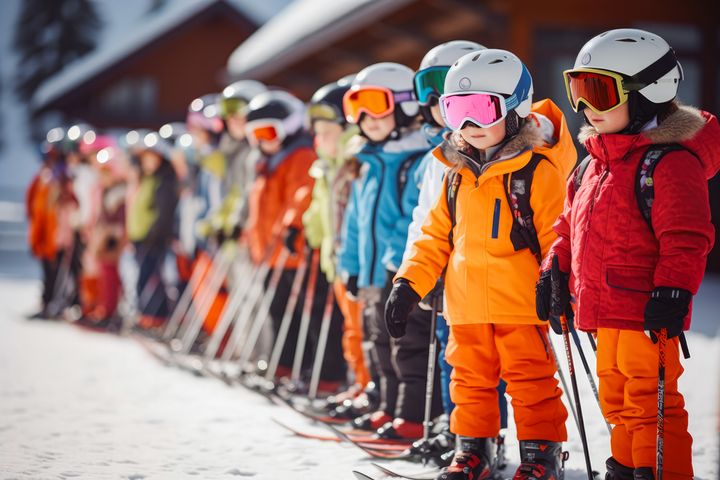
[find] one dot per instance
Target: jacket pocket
(630, 278)
(496, 219)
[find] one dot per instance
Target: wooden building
(152, 76)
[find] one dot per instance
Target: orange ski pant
(352, 334)
(480, 355)
(627, 367)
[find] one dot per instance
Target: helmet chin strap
(641, 111)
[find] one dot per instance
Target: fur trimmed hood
(695, 129)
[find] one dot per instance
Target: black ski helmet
(331, 96)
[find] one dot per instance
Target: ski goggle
(430, 84)
(231, 106)
(376, 101)
(323, 111)
(264, 130)
(599, 90)
(484, 109)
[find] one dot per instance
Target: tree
(48, 36)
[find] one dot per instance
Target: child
(333, 171)
(500, 143)
(275, 121)
(381, 103)
(150, 225)
(429, 86)
(634, 269)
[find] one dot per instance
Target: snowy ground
(80, 404)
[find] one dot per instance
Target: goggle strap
(404, 96)
(656, 70)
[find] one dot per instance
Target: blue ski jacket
(380, 208)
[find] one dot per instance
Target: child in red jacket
(634, 237)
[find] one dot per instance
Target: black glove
(552, 297)
(352, 286)
(400, 302)
(667, 308)
(290, 239)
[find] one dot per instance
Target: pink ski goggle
(484, 109)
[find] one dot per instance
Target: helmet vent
(476, 57)
(496, 61)
(627, 40)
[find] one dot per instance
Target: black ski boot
(540, 460)
(440, 442)
(643, 473)
(500, 457)
(617, 471)
(473, 460)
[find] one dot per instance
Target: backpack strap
(644, 182)
(517, 189)
(403, 175)
(580, 172)
(452, 185)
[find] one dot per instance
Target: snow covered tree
(48, 36)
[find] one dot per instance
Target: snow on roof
(301, 28)
(115, 49)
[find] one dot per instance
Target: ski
(429, 474)
(362, 476)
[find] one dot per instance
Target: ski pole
(432, 361)
(660, 441)
(586, 366)
(322, 343)
(239, 293)
(264, 309)
(213, 287)
(555, 283)
(305, 320)
(181, 308)
(591, 339)
(563, 381)
(282, 334)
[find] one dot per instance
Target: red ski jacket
(615, 259)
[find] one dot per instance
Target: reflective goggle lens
(266, 133)
(483, 109)
(375, 102)
(232, 106)
(430, 83)
(599, 91)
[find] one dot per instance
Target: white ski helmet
(448, 53)
(278, 105)
(495, 71)
(635, 53)
(396, 77)
(244, 90)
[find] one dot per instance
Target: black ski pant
(334, 367)
(151, 294)
(402, 363)
(50, 271)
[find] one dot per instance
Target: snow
(302, 27)
(79, 404)
(119, 41)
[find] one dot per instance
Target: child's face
(377, 129)
(610, 122)
(483, 138)
(270, 147)
(236, 126)
(327, 136)
(149, 162)
(436, 115)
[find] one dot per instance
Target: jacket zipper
(374, 220)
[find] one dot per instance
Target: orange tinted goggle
(264, 131)
(375, 101)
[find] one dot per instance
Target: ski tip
(362, 476)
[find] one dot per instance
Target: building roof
(301, 28)
(154, 27)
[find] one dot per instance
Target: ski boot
(540, 460)
(617, 471)
(473, 460)
(643, 473)
(400, 429)
(500, 457)
(440, 443)
(365, 402)
(371, 421)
